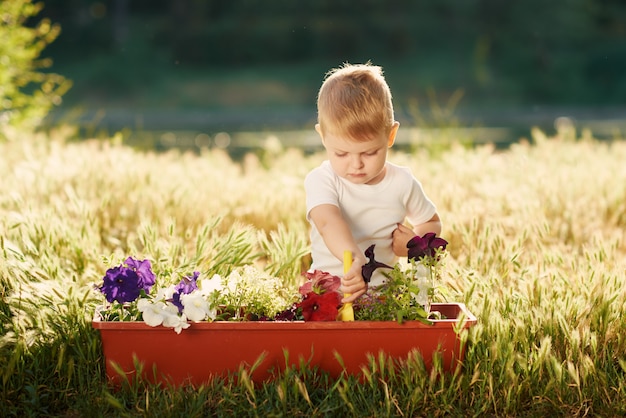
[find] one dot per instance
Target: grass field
(537, 239)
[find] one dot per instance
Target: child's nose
(357, 161)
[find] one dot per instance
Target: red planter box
(215, 348)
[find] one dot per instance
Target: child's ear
(392, 134)
(318, 129)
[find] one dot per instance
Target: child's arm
(338, 238)
(402, 234)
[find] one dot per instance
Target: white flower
(172, 319)
(233, 281)
(208, 286)
(256, 291)
(165, 293)
(421, 270)
(161, 313)
(179, 323)
(424, 286)
(196, 307)
(152, 312)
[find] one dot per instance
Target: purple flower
(144, 271)
(124, 283)
(187, 285)
(425, 246)
(368, 268)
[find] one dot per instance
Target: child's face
(360, 162)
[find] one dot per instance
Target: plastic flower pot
(209, 349)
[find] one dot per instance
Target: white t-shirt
(371, 211)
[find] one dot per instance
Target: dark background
(238, 64)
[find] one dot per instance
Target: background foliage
(536, 231)
(537, 252)
(26, 92)
(530, 52)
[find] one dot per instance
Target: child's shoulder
(322, 171)
(398, 170)
(323, 168)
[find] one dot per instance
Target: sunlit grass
(537, 251)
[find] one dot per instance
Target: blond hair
(355, 101)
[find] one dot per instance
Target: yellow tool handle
(346, 313)
(347, 261)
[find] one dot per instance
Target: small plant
(248, 294)
(408, 291)
(245, 294)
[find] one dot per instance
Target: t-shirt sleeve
(419, 207)
(320, 188)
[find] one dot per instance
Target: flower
(187, 285)
(319, 282)
(125, 282)
(409, 289)
(250, 294)
(152, 312)
(320, 306)
(321, 297)
(158, 311)
(368, 268)
(196, 307)
(244, 294)
(425, 246)
(422, 285)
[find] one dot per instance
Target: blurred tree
(523, 52)
(26, 93)
(605, 66)
(120, 21)
(537, 53)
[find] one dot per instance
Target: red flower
(320, 307)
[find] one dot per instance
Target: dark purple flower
(289, 314)
(425, 246)
(124, 283)
(187, 285)
(368, 268)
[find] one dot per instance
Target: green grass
(537, 252)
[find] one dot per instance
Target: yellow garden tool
(346, 313)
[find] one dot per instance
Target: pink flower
(320, 282)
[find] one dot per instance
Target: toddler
(357, 198)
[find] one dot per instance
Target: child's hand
(399, 238)
(352, 283)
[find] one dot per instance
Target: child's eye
(371, 153)
(341, 154)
